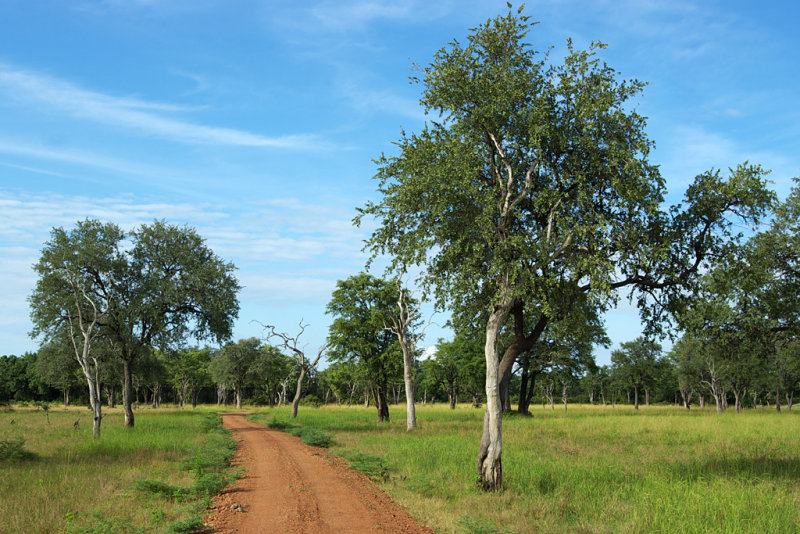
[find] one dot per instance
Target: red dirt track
(291, 487)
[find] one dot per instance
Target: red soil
(291, 487)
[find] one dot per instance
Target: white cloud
(134, 114)
(346, 15)
(295, 261)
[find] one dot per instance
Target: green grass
(592, 470)
(71, 483)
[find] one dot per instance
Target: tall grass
(593, 469)
(76, 484)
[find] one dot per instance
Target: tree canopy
(536, 177)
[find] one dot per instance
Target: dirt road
(291, 487)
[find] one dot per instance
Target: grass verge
(591, 469)
(74, 484)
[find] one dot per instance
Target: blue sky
(256, 121)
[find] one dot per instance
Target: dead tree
(290, 342)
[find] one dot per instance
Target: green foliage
(162, 489)
(370, 464)
(360, 307)
(192, 524)
(97, 523)
(283, 426)
(13, 450)
(315, 438)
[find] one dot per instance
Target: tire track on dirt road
(291, 487)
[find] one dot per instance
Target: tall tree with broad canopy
(154, 291)
(535, 175)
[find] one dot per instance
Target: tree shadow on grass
(744, 468)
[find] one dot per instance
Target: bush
(157, 487)
(311, 400)
(315, 438)
(283, 426)
(369, 464)
(13, 450)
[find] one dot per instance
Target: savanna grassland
(591, 469)
(153, 478)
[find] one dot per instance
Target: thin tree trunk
(127, 393)
(408, 365)
(298, 391)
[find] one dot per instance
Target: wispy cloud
(288, 252)
(347, 15)
(144, 117)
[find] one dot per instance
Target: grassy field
(128, 481)
(590, 470)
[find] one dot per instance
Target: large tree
(536, 177)
(154, 290)
(73, 297)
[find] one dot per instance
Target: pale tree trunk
(636, 397)
(489, 456)
(238, 394)
(402, 320)
(411, 411)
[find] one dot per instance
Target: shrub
(13, 450)
(371, 465)
(315, 438)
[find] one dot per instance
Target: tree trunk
(127, 393)
(687, 398)
(702, 401)
(237, 392)
(452, 398)
(789, 399)
(490, 468)
(647, 397)
(523, 386)
(381, 404)
(66, 397)
(777, 398)
(298, 391)
(408, 365)
(520, 344)
(636, 397)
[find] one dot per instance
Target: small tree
(303, 366)
(72, 297)
(636, 362)
(360, 306)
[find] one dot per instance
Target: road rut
(291, 487)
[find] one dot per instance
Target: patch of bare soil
(291, 487)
